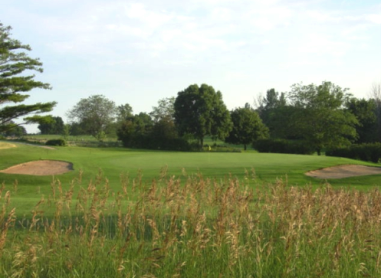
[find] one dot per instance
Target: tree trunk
(318, 151)
(244, 146)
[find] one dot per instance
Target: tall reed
(192, 226)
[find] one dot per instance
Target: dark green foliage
(274, 112)
(123, 112)
(164, 109)
(283, 146)
(126, 133)
(200, 111)
(16, 130)
(55, 126)
(319, 116)
(13, 64)
(56, 142)
(169, 144)
(147, 141)
(365, 112)
(365, 152)
(140, 132)
(221, 149)
(94, 114)
(132, 129)
(313, 113)
(76, 129)
(247, 127)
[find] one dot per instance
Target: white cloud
(374, 18)
(235, 43)
(321, 44)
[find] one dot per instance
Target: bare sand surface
(40, 168)
(344, 171)
(4, 145)
(55, 167)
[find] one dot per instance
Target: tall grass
(191, 226)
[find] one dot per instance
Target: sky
(139, 52)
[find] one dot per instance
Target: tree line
(321, 116)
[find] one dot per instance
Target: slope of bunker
(4, 145)
(344, 171)
(40, 168)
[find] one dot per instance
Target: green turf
(116, 161)
(197, 228)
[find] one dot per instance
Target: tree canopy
(164, 110)
(247, 127)
(365, 113)
(14, 83)
(273, 111)
(319, 116)
(55, 126)
(200, 111)
(94, 114)
(123, 112)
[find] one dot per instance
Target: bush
(56, 142)
(148, 141)
(365, 152)
(283, 146)
(220, 148)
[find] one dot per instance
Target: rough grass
(191, 226)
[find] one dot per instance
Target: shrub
(283, 146)
(365, 152)
(56, 142)
(147, 141)
(220, 148)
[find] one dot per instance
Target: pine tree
(14, 83)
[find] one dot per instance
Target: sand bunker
(4, 145)
(344, 171)
(40, 168)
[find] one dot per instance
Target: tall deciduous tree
(247, 127)
(55, 126)
(375, 94)
(94, 114)
(134, 128)
(200, 111)
(14, 83)
(365, 112)
(319, 116)
(18, 131)
(164, 110)
(123, 112)
(274, 113)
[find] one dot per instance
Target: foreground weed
(193, 227)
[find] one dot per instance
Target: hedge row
(365, 152)
(283, 146)
(56, 142)
(154, 143)
(220, 149)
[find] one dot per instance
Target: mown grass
(114, 162)
(192, 226)
(131, 213)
